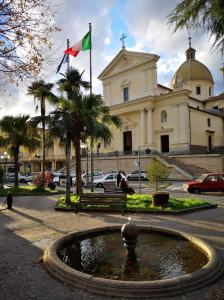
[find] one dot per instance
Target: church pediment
(125, 60)
(128, 124)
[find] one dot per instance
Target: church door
(127, 139)
(165, 143)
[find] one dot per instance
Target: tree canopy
(18, 132)
(205, 14)
(25, 30)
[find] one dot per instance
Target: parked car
(135, 175)
(213, 182)
(23, 178)
(96, 175)
(58, 173)
(107, 178)
(56, 180)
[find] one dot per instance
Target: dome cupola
(194, 75)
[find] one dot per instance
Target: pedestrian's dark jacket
(119, 177)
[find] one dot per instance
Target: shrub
(38, 180)
(156, 171)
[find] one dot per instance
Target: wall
(213, 103)
(126, 164)
(199, 125)
(209, 162)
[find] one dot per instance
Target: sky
(144, 22)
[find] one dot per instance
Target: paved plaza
(33, 224)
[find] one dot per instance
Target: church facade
(184, 119)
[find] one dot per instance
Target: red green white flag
(82, 45)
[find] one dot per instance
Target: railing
(172, 161)
(118, 153)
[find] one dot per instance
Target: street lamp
(4, 157)
(138, 163)
(85, 146)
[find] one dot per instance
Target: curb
(142, 211)
(33, 194)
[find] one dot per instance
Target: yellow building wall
(141, 82)
(199, 125)
(213, 103)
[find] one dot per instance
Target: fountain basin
(134, 289)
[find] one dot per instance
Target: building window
(209, 122)
(198, 90)
(163, 116)
(215, 107)
(210, 91)
(125, 94)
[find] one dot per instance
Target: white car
(23, 178)
(107, 178)
(135, 175)
(96, 175)
(56, 180)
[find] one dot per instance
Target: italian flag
(84, 44)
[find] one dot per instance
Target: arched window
(198, 90)
(163, 116)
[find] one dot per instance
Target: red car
(213, 182)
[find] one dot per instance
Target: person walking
(119, 177)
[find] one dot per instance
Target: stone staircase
(187, 171)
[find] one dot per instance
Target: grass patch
(137, 201)
(144, 202)
(73, 198)
(27, 190)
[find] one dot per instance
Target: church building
(184, 119)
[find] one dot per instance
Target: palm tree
(60, 127)
(17, 132)
(42, 91)
(85, 116)
(97, 124)
(71, 83)
(89, 117)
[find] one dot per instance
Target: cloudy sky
(145, 24)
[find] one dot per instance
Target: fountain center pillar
(129, 232)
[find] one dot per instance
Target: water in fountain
(158, 256)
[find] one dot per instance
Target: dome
(192, 69)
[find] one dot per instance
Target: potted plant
(157, 171)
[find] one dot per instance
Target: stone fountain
(95, 260)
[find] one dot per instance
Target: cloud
(145, 24)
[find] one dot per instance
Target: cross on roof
(189, 41)
(122, 39)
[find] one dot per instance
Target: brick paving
(33, 224)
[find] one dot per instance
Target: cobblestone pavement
(33, 224)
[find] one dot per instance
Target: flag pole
(90, 57)
(90, 79)
(67, 146)
(68, 45)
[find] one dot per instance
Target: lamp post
(4, 157)
(138, 163)
(85, 146)
(139, 171)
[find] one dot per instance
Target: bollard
(9, 200)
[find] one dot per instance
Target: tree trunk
(67, 155)
(16, 167)
(44, 142)
(78, 165)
